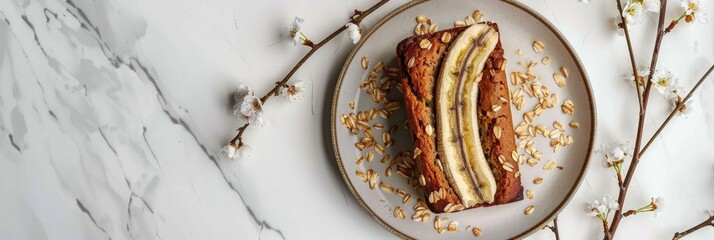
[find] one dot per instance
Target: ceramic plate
(519, 27)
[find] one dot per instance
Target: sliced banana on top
(464, 162)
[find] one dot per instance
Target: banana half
(459, 144)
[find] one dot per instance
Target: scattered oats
(378, 126)
(476, 231)
(389, 143)
(433, 28)
(373, 179)
(528, 116)
(459, 24)
(497, 131)
(529, 210)
(391, 106)
(437, 223)
(406, 198)
(360, 146)
(360, 159)
(519, 52)
(429, 130)
(400, 193)
(538, 180)
(365, 62)
(529, 194)
(501, 158)
(422, 19)
(564, 71)
(514, 155)
(496, 107)
(517, 174)
(549, 165)
(546, 60)
(568, 107)
(393, 129)
(378, 66)
(538, 46)
(574, 125)
(422, 180)
(362, 176)
(478, 16)
(508, 167)
(385, 158)
(417, 152)
(352, 105)
(419, 29)
(386, 137)
(425, 44)
(446, 37)
(453, 226)
(559, 79)
(399, 213)
(469, 20)
(388, 172)
(370, 156)
(558, 125)
(386, 187)
(532, 161)
(411, 62)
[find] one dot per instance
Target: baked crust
(418, 85)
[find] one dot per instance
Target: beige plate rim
(552, 28)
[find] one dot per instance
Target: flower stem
(674, 112)
(315, 47)
(706, 223)
(640, 126)
(631, 52)
(675, 22)
(554, 228)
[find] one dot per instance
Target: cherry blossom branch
(626, 28)
(640, 126)
(680, 104)
(356, 18)
(707, 223)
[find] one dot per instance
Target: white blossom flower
(693, 10)
(610, 203)
(252, 110)
(229, 151)
(690, 6)
(248, 107)
(354, 31)
(685, 109)
(614, 154)
(664, 81)
(295, 33)
(650, 5)
(595, 208)
(232, 152)
(294, 92)
(633, 12)
(642, 72)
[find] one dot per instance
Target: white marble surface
(112, 115)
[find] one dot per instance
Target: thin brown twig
(626, 28)
(359, 15)
(706, 223)
(554, 228)
(640, 126)
(676, 109)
